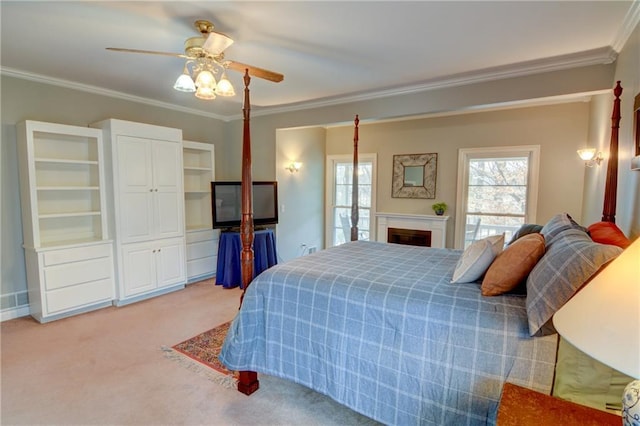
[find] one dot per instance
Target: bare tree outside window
(496, 192)
(342, 202)
(497, 195)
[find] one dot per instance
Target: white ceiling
(329, 51)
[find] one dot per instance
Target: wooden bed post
(248, 380)
(246, 223)
(611, 184)
(354, 184)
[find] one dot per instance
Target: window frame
(330, 186)
(467, 154)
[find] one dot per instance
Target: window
(497, 191)
(339, 191)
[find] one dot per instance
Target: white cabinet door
(167, 181)
(152, 265)
(139, 269)
(135, 177)
(170, 259)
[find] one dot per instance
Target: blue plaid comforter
(379, 328)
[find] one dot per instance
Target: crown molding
(508, 105)
(39, 78)
(630, 22)
(603, 55)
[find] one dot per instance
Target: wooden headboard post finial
(354, 184)
(611, 183)
(248, 380)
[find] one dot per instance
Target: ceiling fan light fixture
(216, 43)
(205, 56)
(206, 85)
(185, 83)
(205, 79)
(224, 87)
(206, 93)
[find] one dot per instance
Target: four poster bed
(381, 329)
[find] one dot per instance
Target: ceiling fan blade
(256, 72)
(150, 52)
(216, 43)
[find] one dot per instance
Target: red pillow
(608, 233)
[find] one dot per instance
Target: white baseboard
(9, 314)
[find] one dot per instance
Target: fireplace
(415, 224)
(410, 237)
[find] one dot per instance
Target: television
(226, 203)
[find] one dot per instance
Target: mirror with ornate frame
(414, 176)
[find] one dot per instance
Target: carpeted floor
(106, 368)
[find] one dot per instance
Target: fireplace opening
(410, 237)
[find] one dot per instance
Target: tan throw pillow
(513, 265)
(476, 259)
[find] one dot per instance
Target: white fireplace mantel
(422, 222)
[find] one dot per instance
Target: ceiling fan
(204, 56)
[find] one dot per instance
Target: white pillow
(477, 258)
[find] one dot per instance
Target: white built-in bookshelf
(68, 253)
(202, 239)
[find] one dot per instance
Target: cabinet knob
(151, 190)
(156, 189)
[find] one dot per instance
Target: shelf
(202, 227)
(63, 174)
(72, 242)
(197, 169)
(65, 161)
(68, 188)
(75, 214)
(197, 156)
(58, 229)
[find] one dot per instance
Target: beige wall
(628, 199)
(559, 130)
(300, 194)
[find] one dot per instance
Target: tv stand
(237, 228)
(230, 229)
(228, 273)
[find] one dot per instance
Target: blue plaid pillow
(557, 224)
(570, 260)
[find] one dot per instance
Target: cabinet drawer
(208, 234)
(203, 266)
(69, 274)
(55, 257)
(80, 295)
(201, 249)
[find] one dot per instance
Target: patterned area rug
(200, 354)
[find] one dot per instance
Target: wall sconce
(293, 167)
(590, 157)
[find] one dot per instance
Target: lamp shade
(603, 318)
(587, 153)
(205, 79)
(206, 93)
(184, 83)
(224, 87)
